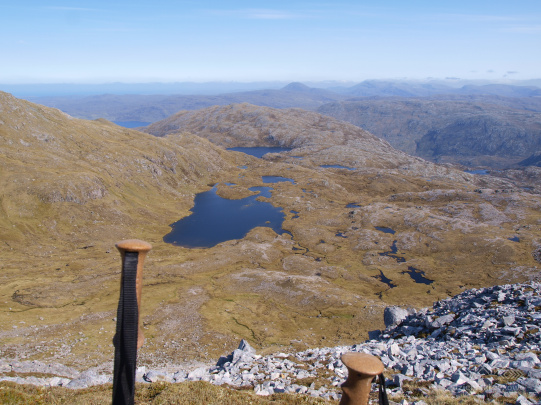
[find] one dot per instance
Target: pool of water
(259, 151)
(392, 253)
(418, 275)
(276, 179)
(337, 167)
(514, 239)
(381, 277)
(215, 219)
(385, 229)
(353, 205)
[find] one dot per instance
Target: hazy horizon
(38, 90)
(250, 41)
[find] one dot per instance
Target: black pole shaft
(125, 340)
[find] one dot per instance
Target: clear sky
(95, 41)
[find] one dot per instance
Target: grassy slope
(71, 188)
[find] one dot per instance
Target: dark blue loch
(215, 219)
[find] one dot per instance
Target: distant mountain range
(474, 124)
(221, 87)
(154, 107)
(380, 88)
(151, 108)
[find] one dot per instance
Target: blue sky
(140, 41)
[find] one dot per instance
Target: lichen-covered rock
(392, 316)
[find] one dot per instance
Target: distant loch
(259, 151)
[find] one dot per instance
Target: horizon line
(218, 81)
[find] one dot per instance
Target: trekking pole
(362, 368)
(129, 336)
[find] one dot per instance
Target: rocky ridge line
(483, 342)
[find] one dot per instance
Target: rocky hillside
(321, 139)
(483, 342)
(70, 189)
(484, 130)
(533, 160)
(58, 167)
(250, 125)
(395, 229)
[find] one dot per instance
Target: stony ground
(483, 342)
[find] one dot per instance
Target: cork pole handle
(142, 248)
(362, 368)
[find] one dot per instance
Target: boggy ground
(319, 286)
(324, 283)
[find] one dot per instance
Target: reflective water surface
(418, 275)
(337, 167)
(276, 179)
(385, 230)
(215, 219)
(259, 151)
